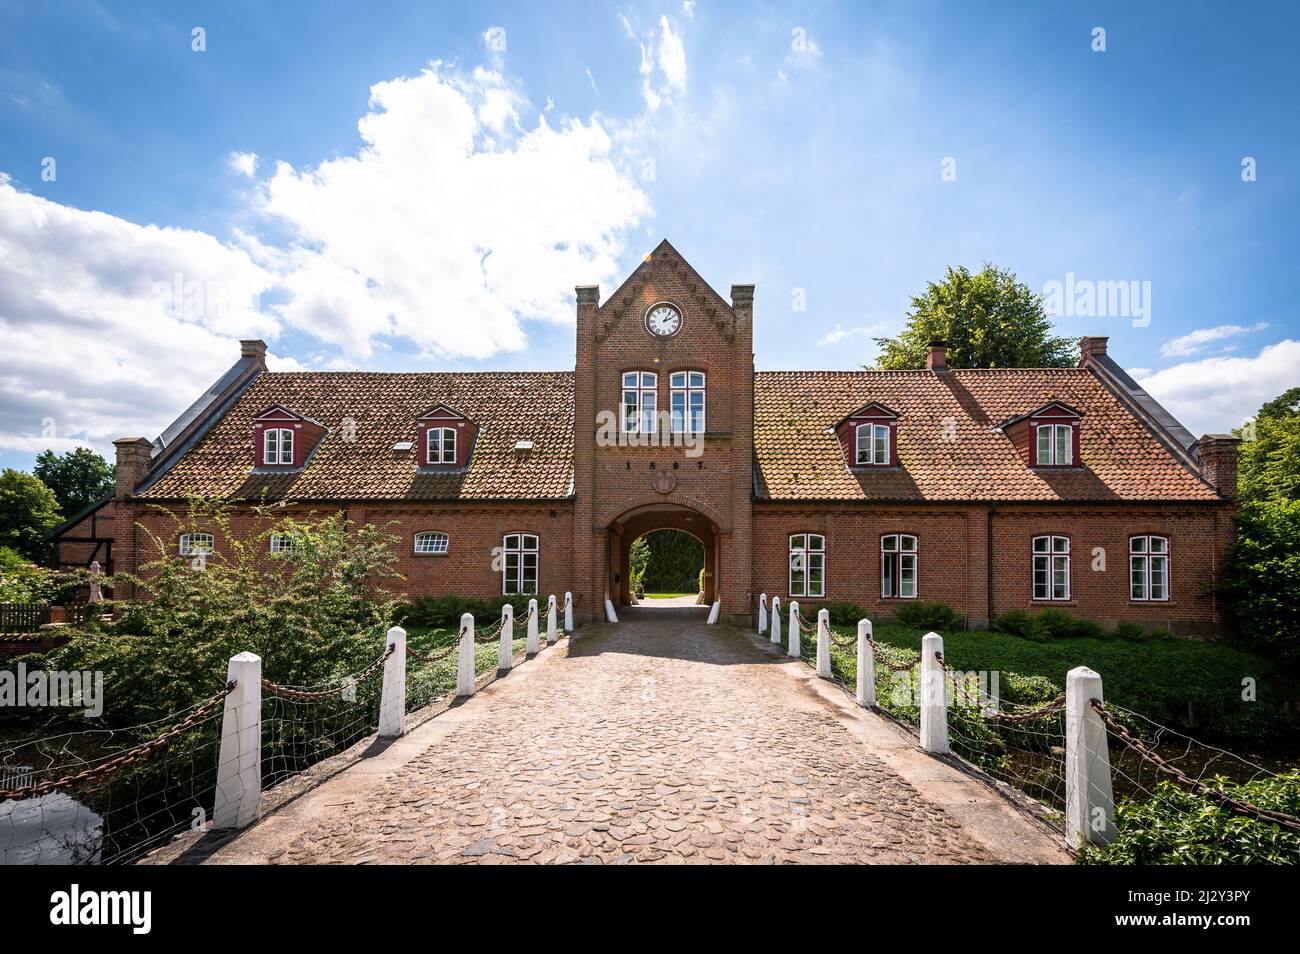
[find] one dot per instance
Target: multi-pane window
(281, 543)
(640, 402)
(1148, 568)
(898, 566)
(196, 544)
(277, 446)
(431, 541)
(1055, 445)
(441, 445)
(687, 402)
(519, 564)
(1051, 568)
(807, 564)
(873, 444)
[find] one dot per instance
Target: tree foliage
(28, 511)
(988, 320)
(78, 478)
(675, 562)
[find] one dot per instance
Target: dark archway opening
(667, 564)
(624, 531)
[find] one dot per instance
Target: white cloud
(839, 333)
(663, 64)
(1202, 338)
(110, 328)
(245, 163)
(1214, 395)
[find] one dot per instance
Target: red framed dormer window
(440, 445)
(277, 445)
(1054, 436)
(283, 439)
(445, 438)
(869, 437)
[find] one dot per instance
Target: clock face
(663, 320)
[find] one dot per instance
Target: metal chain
(1222, 799)
(441, 654)
(303, 695)
(127, 757)
(1050, 708)
(804, 625)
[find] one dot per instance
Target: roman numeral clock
(663, 320)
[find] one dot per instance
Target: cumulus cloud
(1202, 338)
(245, 163)
(1214, 395)
(663, 64)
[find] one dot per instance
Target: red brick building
(988, 490)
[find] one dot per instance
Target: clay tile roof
(797, 457)
(507, 407)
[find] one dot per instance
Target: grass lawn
(1157, 677)
(426, 682)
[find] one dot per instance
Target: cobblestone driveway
(657, 739)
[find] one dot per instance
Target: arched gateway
(626, 529)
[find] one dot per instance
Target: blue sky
(802, 147)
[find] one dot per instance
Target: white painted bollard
(531, 647)
(568, 612)
(506, 652)
(392, 697)
(551, 634)
(934, 705)
(792, 647)
(776, 620)
(866, 695)
(714, 612)
(762, 613)
(824, 643)
(610, 615)
(1089, 801)
(239, 762)
(465, 659)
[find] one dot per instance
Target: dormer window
(868, 437)
(277, 446)
(440, 445)
(1047, 437)
(1055, 445)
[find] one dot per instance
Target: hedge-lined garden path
(656, 739)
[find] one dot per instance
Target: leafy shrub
(1024, 690)
(444, 612)
(1013, 622)
(674, 561)
(1047, 625)
(1051, 624)
(1127, 629)
(844, 613)
(923, 615)
(1087, 629)
(1177, 827)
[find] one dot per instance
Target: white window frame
(277, 446)
(431, 542)
(281, 543)
(686, 387)
(803, 557)
(643, 389)
(1060, 451)
(1144, 554)
(196, 544)
(876, 454)
(443, 445)
(517, 549)
(1050, 556)
(899, 551)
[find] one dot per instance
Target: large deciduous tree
(77, 478)
(988, 320)
(28, 511)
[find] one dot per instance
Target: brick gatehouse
(988, 490)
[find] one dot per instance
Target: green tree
(28, 510)
(77, 478)
(988, 319)
(640, 558)
(675, 561)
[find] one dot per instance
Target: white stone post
(568, 612)
(934, 705)
(715, 611)
(465, 660)
(1089, 802)
(866, 665)
(776, 620)
(506, 652)
(610, 615)
(551, 635)
(239, 762)
(792, 648)
(392, 698)
(531, 647)
(762, 613)
(824, 643)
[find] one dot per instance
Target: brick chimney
(132, 464)
(936, 359)
(254, 348)
(1217, 454)
(1089, 346)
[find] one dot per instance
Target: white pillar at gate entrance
(776, 620)
(792, 649)
(824, 643)
(506, 654)
(610, 615)
(866, 665)
(551, 635)
(762, 613)
(714, 612)
(465, 658)
(392, 694)
(531, 646)
(239, 760)
(1089, 800)
(934, 704)
(568, 612)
